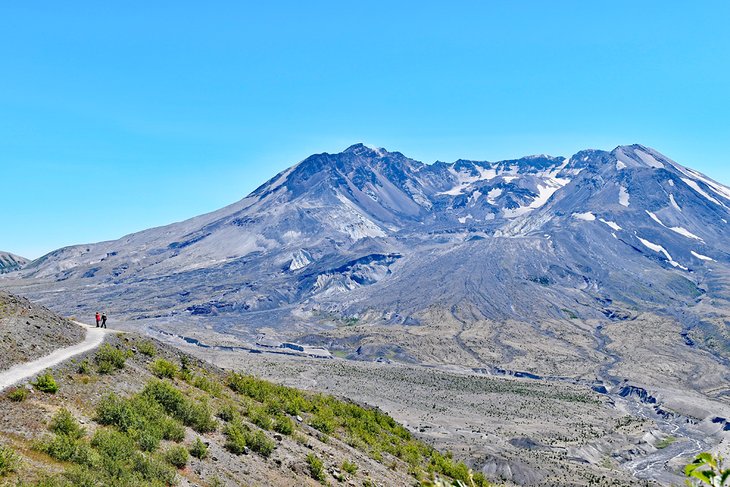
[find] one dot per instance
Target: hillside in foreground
(136, 412)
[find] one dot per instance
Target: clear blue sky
(118, 116)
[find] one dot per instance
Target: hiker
(103, 320)
(98, 319)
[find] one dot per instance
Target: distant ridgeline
(10, 262)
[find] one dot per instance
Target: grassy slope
(251, 427)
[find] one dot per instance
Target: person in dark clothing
(98, 319)
(103, 320)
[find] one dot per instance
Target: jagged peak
(637, 155)
(361, 149)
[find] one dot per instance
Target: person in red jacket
(98, 319)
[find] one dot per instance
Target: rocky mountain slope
(374, 236)
(28, 331)
(10, 262)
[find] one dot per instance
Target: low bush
(109, 359)
(349, 467)
(18, 394)
(239, 436)
(283, 425)
(316, 467)
(260, 417)
(192, 413)
(164, 369)
(9, 461)
(147, 348)
(142, 418)
(177, 456)
(46, 383)
(198, 449)
(212, 387)
(84, 367)
(228, 412)
(63, 423)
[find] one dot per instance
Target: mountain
(372, 237)
(608, 271)
(10, 262)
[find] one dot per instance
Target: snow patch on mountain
(623, 196)
(655, 218)
(674, 202)
(685, 233)
(702, 257)
(680, 230)
(693, 184)
(611, 224)
(587, 216)
(659, 249)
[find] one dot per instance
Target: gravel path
(20, 372)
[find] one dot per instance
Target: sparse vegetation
(366, 428)
(665, 442)
(164, 369)
(147, 348)
(349, 467)
(198, 449)
(316, 467)
(109, 359)
(177, 456)
(240, 436)
(19, 394)
(9, 461)
(84, 367)
(46, 383)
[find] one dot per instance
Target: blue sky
(118, 117)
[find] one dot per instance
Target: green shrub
(60, 447)
(164, 369)
(316, 467)
(235, 432)
(46, 383)
(9, 461)
(177, 456)
(323, 420)
(212, 387)
(18, 394)
(198, 449)
(260, 443)
(283, 425)
(172, 430)
(228, 412)
(63, 423)
(260, 417)
(147, 348)
(239, 436)
(109, 359)
(154, 471)
(84, 367)
(197, 415)
(349, 467)
(290, 400)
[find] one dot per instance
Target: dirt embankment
(29, 331)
